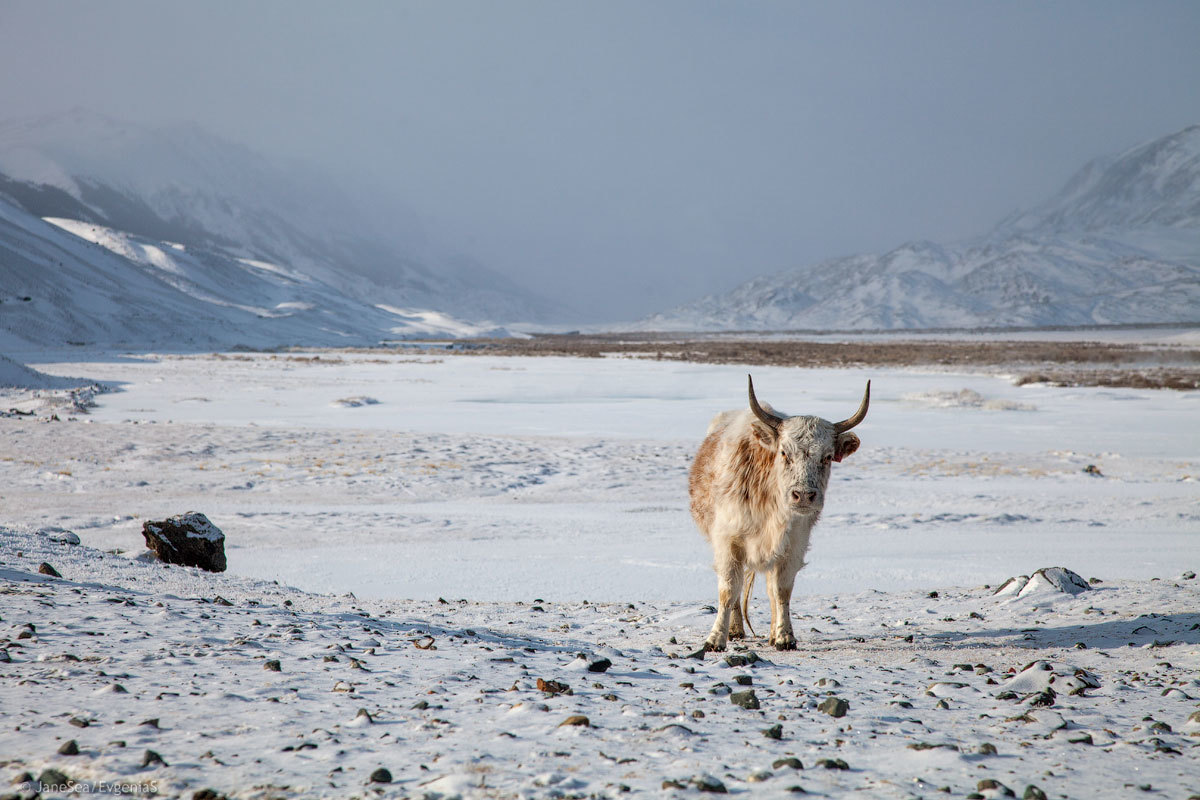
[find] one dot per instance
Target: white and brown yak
(757, 488)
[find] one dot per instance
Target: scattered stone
(189, 540)
(342, 686)
(942, 705)
(24, 777)
(987, 749)
(272, 665)
(1092, 469)
(792, 762)
(707, 783)
(221, 601)
(1033, 793)
(670, 784)
(208, 794)
(1057, 579)
(1080, 738)
(5, 658)
(759, 777)
(60, 535)
(599, 664)
(833, 763)
(993, 785)
(69, 748)
(1189, 575)
(54, 780)
(931, 746)
(78, 722)
(380, 775)
(576, 719)
(553, 687)
(46, 569)
(150, 723)
(363, 717)
(746, 699)
(828, 683)
(420, 705)
(834, 706)
(773, 732)
(742, 659)
(150, 758)
(743, 680)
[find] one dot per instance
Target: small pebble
(380, 775)
(69, 748)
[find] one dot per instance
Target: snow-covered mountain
(181, 184)
(1119, 244)
(68, 282)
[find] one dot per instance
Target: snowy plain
(541, 498)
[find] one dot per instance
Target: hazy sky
(628, 156)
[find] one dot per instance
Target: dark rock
(987, 749)
(833, 763)
(742, 659)
(990, 784)
(69, 748)
(743, 680)
(797, 789)
(150, 723)
(24, 777)
(46, 569)
(208, 794)
(746, 699)
(1080, 738)
(79, 722)
(150, 758)
(221, 601)
(1092, 469)
(792, 762)
(553, 687)
(670, 784)
(707, 783)
(1033, 793)
(834, 706)
(189, 540)
(1044, 699)
(380, 775)
(272, 665)
(576, 719)
(54, 778)
(773, 732)
(599, 665)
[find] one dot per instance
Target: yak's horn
(859, 416)
(770, 420)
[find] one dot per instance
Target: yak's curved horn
(859, 416)
(769, 419)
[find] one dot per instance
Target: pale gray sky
(634, 155)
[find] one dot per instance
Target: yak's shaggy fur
(757, 487)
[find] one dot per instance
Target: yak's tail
(749, 583)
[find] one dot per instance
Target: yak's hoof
(737, 634)
(713, 647)
(787, 642)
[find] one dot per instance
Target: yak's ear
(846, 444)
(764, 434)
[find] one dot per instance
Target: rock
(342, 686)
(746, 699)
(78, 722)
(992, 785)
(380, 775)
(46, 569)
(363, 717)
(828, 683)
(54, 780)
(1093, 470)
(69, 748)
(833, 763)
(987, 749)
(59, 535)
(708, 783)
(576, 719)
(1033, 793)
(189, 540)
(743, 680)
(149, 758)
(834, 706)
(1189, 575)
(1080, 738)
(150, 723)
(773, 732)
(759, 777)
(1046, 579)
(208, 794)
(272, 665)
(1192, 725)
(5, 658)
(792, 762)
(742, 659)
(598, 664)
(553, 687)
(24, 777)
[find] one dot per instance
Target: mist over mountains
(179, 189)
(1119, 244)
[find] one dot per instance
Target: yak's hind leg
(729, 568)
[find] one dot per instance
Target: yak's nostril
(804, 498)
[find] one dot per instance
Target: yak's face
(804, 451)
(806, 448)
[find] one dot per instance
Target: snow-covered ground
(517, 489)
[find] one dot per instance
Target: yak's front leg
(729, 591)
(780, 580)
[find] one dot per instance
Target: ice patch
(355, 402)
(1048, 580)
(964, 398)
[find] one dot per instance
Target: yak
(757, 487)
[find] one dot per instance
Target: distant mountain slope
(75, 282)
(1119, 244)
(181, 184)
